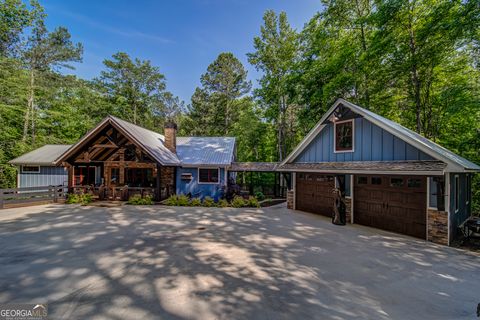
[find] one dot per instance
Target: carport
(259, 176)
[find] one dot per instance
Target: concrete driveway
(135, 262)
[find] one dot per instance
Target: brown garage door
(314, 193)
(394, 203)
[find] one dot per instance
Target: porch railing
(115, 193)
(15, 196)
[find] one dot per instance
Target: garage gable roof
(455, 162)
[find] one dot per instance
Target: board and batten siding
(48, 176)
(371, 143)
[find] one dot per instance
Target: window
(376, 180)
(414, 183)
(208, 175)
(396, 182)
(344, 136)
(362, 180)
(84, 176)
(30, 169)
(457, 192)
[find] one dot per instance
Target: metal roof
(153, 142)
(253, 166)
(45, 155)
(369, 167)
(204, 151)
(454, 161)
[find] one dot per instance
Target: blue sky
(181, 37)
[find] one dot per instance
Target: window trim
(335, 136)
(37, 171)
(456, 192)
(207, 168)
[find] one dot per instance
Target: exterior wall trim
(352, 195)
(427, 207)
(294, 182)
(420, 173)
(447, 204)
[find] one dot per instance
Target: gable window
(344, 136)
(208, 175)
(30, 169)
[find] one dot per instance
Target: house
(389, 176)
(117, 154)
(37, 168)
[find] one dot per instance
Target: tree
(44, 53)
(417, 39)
(276, 51)
(216, 101)
(14, 18)
(135, 87)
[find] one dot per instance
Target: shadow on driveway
(154, 262)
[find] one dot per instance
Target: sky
(181, 37)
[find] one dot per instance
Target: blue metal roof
(205, 151)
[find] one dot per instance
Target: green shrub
(138, 200)
(83, 198)
(72, 198)
(259, 195)
(238, 202)
(208, 202)
(172, 201)
(196, 202)
(222, 203)
(252, 202)
(183, 200)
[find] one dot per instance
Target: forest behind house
(415, 62)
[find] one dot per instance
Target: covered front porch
(110, 164)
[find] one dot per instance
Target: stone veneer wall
(290, 197)
(167, 181)
(437, 226)
(348, 210)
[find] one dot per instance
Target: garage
(393, 203)
(314, 193)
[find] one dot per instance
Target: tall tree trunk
(135, 114)
(415, 79)
(30, 106)
(364, 48)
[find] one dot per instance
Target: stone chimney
(171, 136)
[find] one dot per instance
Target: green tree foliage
(217, 105)
(43, 54)
(135, 87)
(275, 54)
(14, 18)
